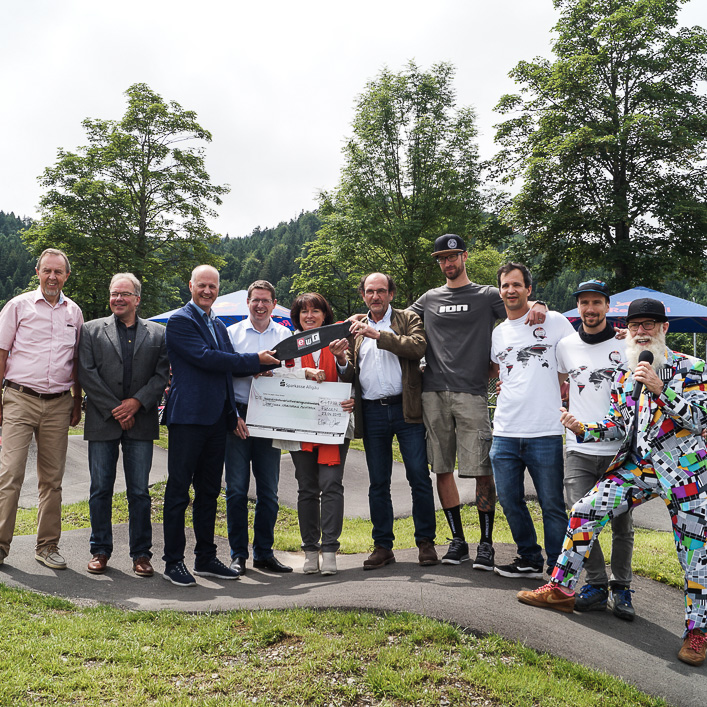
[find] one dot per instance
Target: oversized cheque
(296, 409)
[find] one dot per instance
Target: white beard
(656, 347)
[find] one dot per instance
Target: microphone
(646, 356)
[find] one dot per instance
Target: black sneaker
(215, 568)
(620, 603)
(178, 574)
(457, 552)
(520, 568)
(591, 597)
(484, 557)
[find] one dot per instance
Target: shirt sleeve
(561, 365)
(8, 325)
(419, 307)
(497, 305)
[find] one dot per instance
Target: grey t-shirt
(458, 322)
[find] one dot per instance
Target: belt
(33, 393)
(392, 400)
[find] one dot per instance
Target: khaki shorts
(457, 425)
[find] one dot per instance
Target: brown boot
(693, 647)
(98, 563)
(142, 567)
(380, 557)
(427, 555)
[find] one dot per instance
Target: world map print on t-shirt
(529, 402)
(597, 378)
(591, 368)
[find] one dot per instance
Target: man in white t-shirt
(590, 357)
(527, 433)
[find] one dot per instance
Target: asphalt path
(642, 653)
(652, 515)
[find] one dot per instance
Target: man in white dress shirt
(245, 453)
(385, 367)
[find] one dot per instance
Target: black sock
(486, 523)
(454, 518)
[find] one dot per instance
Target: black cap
(592, 286)
(449, 242)
(647, 307)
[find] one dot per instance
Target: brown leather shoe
(693, 647)
(142, 567)
(98, 564)
(427, 554)
(380, 557)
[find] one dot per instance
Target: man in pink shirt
(39, 336)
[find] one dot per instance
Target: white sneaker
(50, 557)
(311, 562)
(328, 563)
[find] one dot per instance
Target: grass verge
(56, 653)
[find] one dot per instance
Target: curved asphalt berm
(642, 653)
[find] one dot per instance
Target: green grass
(57, 653)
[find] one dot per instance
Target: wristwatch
(539, 301)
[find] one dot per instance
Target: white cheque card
(298, 410)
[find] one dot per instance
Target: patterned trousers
(616, 493)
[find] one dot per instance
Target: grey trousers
(320, 500)
(582, 471)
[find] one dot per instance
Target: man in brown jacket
(385, 368)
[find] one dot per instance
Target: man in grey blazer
(123, 368)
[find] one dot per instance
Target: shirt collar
(120, 324)
(386, 317)
(210, 315)
(40, 295)
(249, 325)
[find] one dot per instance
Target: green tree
(136, 199)
(609, 140)
(411, 173)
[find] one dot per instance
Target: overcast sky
(275, 82)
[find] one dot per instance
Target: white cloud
(274, 82)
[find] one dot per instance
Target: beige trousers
(48, 420)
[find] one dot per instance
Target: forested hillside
(267, 254)
(271, 254)
(16, 264)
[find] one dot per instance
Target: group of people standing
(419, 375)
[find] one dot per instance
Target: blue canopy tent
(231, 308)
(683, 315)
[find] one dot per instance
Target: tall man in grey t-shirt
(459, 318)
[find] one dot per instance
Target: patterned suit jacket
(669, 425)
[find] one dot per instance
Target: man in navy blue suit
(200, 408)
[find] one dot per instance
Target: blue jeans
(137, 462)
(543, 458)
(380, 424)
(241, 455)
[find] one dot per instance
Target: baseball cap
(592, 286)
(449, 242)
(647, 307)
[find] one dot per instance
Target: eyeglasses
(380, 293)
(648, 325)
(124, 295)
(261, 301)
(448, 258)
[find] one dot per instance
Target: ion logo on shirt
(447, 308)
